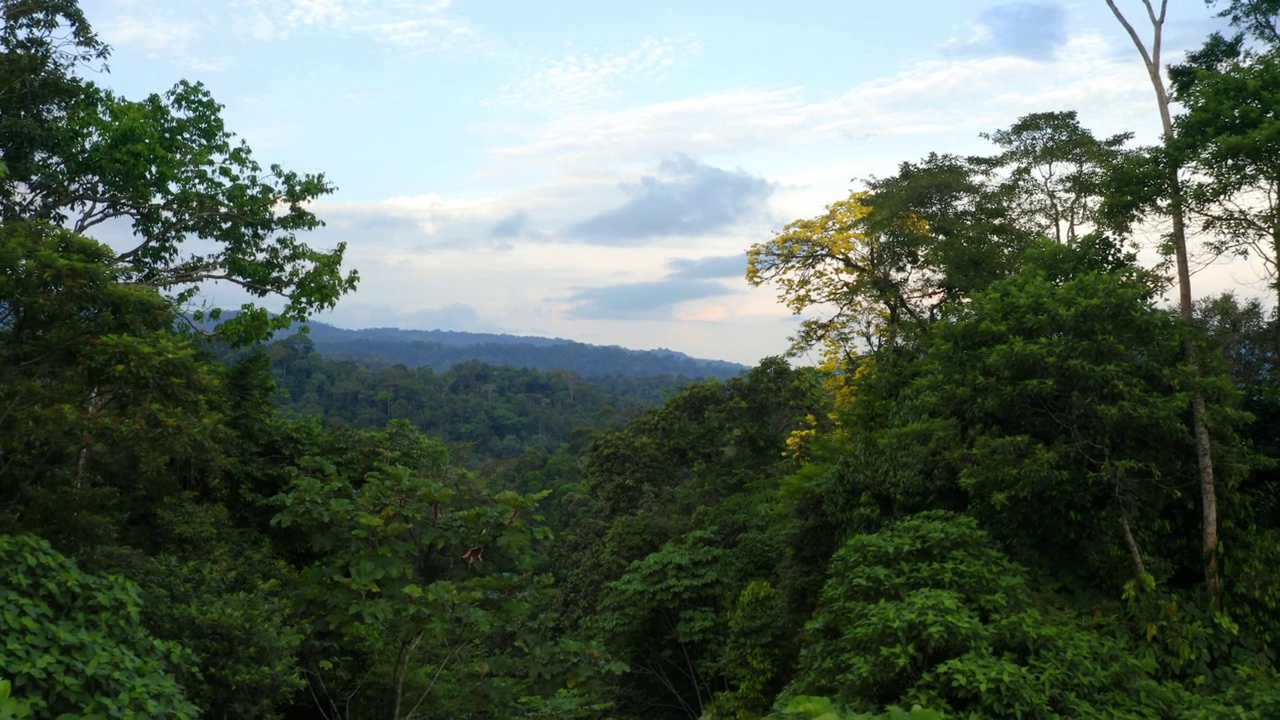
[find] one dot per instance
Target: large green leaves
(74, 643)
(928, 612)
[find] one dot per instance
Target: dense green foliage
(928, 611)
(497, 412)
(984, 503)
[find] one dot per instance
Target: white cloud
(939, 99)
(409, 23)
(274, 19)
(697, 126)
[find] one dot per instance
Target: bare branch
(1133, 34)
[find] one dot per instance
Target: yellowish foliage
(798, 442)
(856, 280)
(809, 255)
(839, 378)
(841, 382)
(839, 264)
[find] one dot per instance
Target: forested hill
(496, 412)
(328, 334)
(441, 349)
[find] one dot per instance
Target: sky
(596, 170)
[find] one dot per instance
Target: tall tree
(1151, 59)
(1053, 169)
(42, 45)
(1059, 391)
(103, 408)
(1260, 19)
(1229, 135)
(199, 205)
(890, 257)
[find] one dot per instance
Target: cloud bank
(639, 301)
(686, 198)
(1028, 30)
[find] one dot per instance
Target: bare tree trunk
(1131, 543)
(1204, 455)
(1274, 192)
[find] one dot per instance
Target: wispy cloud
(579, 80)
(427, 25)
(442, 33)
(159, 31)
(422, 221)
(943, 98)
(156, 33)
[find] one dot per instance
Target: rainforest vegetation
(1019, 483)
(441, 350)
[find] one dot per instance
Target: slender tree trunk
(1274, 330)
(96, 401)
(1275, 241)
(1130, 542)
(403, 661)
(1204, 455)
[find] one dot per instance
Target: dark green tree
(664, 620)
(80, 156)
(1052, 171)
(1057, 390)
(103, 408)
(928, 612)
(420, 601)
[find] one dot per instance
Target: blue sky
(595, 170)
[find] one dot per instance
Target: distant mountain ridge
(442, 349)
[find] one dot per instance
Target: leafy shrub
(74, 642)
(927, 612)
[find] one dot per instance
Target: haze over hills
(441, 349)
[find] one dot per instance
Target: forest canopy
(1018, 483)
